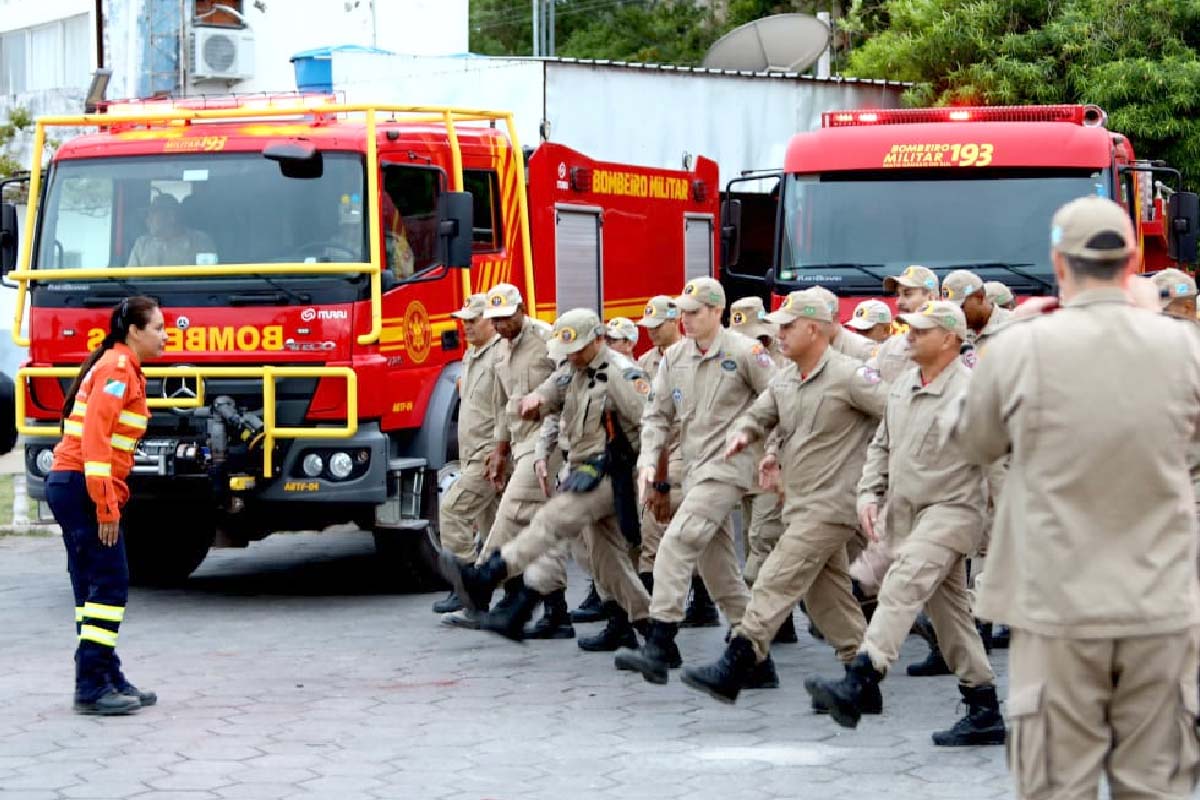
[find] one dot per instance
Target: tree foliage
(1137, 59)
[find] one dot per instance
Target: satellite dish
(779, 43)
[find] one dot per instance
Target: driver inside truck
(167, 241)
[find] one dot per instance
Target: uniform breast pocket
(807, 415)
(682, 395)
(929, 444)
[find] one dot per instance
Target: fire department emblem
(417, 333)
(562, 170)
(183, 323)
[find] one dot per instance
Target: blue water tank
(314, 68)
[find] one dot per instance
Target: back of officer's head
(1091, 241)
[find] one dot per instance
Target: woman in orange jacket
(103, 417)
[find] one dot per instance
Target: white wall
(15, 14)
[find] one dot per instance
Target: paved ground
(290, 670)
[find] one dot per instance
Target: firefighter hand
(531, 405)
(868, 518)
(109, 532)
(1142, 292)
(543, 478)
(660, 506)
(644, 481)
(496, 465)
(769, 472)
(736, 444)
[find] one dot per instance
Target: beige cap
(998, 293)
(472, 309)
(699, 293)
(914, 276)
(748, 317)
(1173, 283)
(659, 309)
(939, 314)
(621, 328)
(575, 330)
(803, 304)
(870, 313)
(830, 299)
(959, 285)
(502, 301)
(1092, 227)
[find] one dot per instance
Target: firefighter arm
(869, 392)
(553, 391)
(501, 434)
(874, 482)
(547, 438)
(760, 418)
(658, 417)
(628, 394)
(104, 406)
(976, 422)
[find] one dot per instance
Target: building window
(53, 56)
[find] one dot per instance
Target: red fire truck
(309, 375)
(873, 191)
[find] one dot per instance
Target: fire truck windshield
(878, 222)
(175, 210)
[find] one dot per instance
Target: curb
(21, 524)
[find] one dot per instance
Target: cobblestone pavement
(290, 670)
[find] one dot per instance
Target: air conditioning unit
(222, 53)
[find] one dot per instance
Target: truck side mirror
(1183, 233)
(8, 238)
(769, 280)
(456, 222)
(731, 233)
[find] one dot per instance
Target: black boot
(723, 679)
(110, 704)
(701, 611)
(556, 622)
(473, 585)
(448, 604)
(617, 633)
(985, 634)
(122, 685)
(923, 627)
(763, 676)
(982, 724)
(868, 603)
(870, 704)
(656, 657)
(647, 579)
(931, 667)
(815, 632)
(510, 622)
(591, 609)
(844, 698)
(1001, 636)
(512, 588)
(786, 633)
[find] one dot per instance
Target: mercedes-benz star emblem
(183, 387)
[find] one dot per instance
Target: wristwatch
(662, 487)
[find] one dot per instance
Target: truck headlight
(341, 465)
(312, 465)
(44, 462)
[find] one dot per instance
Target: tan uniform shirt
(580, 397)
(854, 344)
(1095, 536)
(649, 362)
(521, 365)
(890, 358)
(476, 423)
(996, 322)
(924, 480)
(703, 393)
(825, 420)
(150, 251)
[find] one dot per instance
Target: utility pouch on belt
(586, 476)
(622, 462)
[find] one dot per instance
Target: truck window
(409, 215)
(484, 186)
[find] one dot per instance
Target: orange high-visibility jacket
(106, 421)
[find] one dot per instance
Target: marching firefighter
(621, 335)
(873, 320)
(913, 288)
(470, 504)
(825, 406)
(1000, 294)
(935, 520)
(1093, 556)
(1176, 293)
(600, 396)
(104, 416)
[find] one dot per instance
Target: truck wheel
(165, 546)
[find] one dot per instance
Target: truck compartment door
(697, 246)
(577, 258)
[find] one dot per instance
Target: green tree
(1137, 59)
(18, 120)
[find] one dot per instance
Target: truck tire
(8, 422)
(164, 546)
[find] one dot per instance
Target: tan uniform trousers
(567, 517)
(700, 536)
(809, 562)
(514, 516)
(932, 575)
(652, 533)
(762, 518)
(469, 507)
(1125, 708)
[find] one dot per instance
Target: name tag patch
(729, 365)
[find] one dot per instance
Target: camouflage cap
(659, 309)
(1093, 228)
(748, 317)
(803, 304)
(939, 314)
(959, 285)
(701, 292)
(574, 330)
(870, 313)
(472, 309)
(914, 276)
(621, 328)
(1173, 283)
(503, 299)
(998, 293)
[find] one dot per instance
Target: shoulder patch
(729, 365)
(642, 386)
(563, 379)
(761, 356)
(115, 387)
(869, 374)
(632, 374)
(970, 358)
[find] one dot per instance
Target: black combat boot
(723, 679)
(656, 657)
(510, 622)
(473, 585)
(982, 724)
(617, 632)
(448, 604)
(870, 704)
(985, 634)
(763, 676)
(786, 633)
(931, 667)
(591, 609)
(844, 698)
(556, 622)
(1001, 636)
(512, 588)
(122, 685)
(701, 611)
(868, 603)
(110, 704)
(647, 579)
